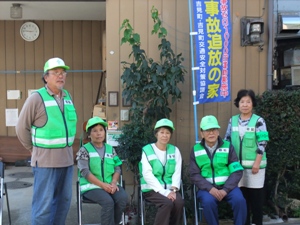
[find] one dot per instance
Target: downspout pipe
(270, 45)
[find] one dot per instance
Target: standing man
(47, 128)
(216, 172)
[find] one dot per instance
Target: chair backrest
(84, 137)
(2, 167)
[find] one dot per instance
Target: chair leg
(142, 208)
(195, 205)
(1, 199)
(7, 202)
(182, 195)
(79, 208)
(123, 218)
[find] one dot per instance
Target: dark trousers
(112, 205)
(168, 212)
(254, 199)
(210, 206)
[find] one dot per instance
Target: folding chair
(144, 202)
(197, 207)
(81, 200)
(2, 193)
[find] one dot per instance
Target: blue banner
(212, 42)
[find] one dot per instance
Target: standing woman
(160, 170)
(248, 134)
(99, 173)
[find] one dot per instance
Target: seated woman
(160, 169)
(99, 172)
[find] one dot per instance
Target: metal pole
(193, 73)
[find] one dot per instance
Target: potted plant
(150, 85)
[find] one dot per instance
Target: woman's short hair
(242, 93)
(90, 128)
(168, 128)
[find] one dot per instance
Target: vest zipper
(162, 177)
(63, 116)
(241, 149)
(212, 166)
(102, 167)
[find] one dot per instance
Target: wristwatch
(174, 190)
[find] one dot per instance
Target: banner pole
(193, 71)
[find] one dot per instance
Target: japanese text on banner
(212, 43)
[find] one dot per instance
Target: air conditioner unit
(288, 24)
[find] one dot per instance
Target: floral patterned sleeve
(82, 158)
(228, 132)
(261, 126)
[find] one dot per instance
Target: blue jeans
(52, 195)
(210, 206)
(113, 205)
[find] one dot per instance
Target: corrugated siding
(80, 43)
(248, 64)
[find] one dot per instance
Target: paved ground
(20, 202)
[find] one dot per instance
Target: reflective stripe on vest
(95, 165)
(246, 149)
(60, 128)
(162, 173)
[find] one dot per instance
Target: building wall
(248, 64)
(81, 45)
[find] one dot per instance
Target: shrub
(281, 111)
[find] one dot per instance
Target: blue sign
(212, 43)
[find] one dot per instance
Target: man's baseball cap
(55, 63)
(209, 122)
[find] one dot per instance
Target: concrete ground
(20, 201)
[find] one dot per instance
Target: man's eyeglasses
(57, 73)
(212, 130)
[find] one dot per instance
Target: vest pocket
(171, 166)
(110, 166)
(222, 159)
(249, 141)
(71, 114)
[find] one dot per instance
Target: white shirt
(162, 157)
(250, 180)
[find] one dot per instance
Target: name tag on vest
(171, 156)
(107, 155)
(223, 150)
(68, 102)
(250, 129)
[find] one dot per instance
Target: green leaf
(136, 38)
(163, 31)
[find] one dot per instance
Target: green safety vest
(216, 170)
(246, 148)
(60, 128)
(163, 173)
(102, 169)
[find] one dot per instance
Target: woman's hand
(107, 187)
(256, 165)
(172, 196)
(255, 168)
(114, 187)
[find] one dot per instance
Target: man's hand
(218, 194)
